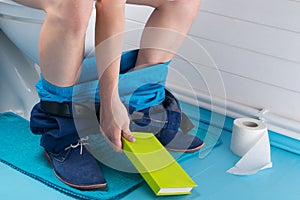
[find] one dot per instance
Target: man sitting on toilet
(61, 50)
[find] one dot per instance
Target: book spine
(141, 169)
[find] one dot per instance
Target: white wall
(256, 48)
(241, 55)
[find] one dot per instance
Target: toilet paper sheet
(250, 141)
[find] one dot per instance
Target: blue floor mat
(280, 182)
(21, 151)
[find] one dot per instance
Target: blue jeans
(140, 89)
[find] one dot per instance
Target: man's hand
(109, 30)
(114, 123)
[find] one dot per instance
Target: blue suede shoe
(76, 167)
(179, 142)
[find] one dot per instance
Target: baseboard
(275, 123)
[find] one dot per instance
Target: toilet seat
(14, 17)
(13, 10)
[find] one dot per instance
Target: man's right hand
(114, 123)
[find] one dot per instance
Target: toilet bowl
(22, 26)
(19, 71)
(19, 61)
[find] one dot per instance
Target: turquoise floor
(280, 182)
(214, 183)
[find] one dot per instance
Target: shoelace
(80, 143)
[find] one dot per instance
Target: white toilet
(19, 33)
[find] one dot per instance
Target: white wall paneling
(243, 53)
(251, 49)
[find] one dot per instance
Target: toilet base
(18, 76)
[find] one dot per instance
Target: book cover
(157, 166)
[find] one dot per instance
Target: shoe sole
(187, 150)
(80, 187)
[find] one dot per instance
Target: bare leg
(61, 43)
(61, 48)
(165, 30)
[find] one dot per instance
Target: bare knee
(191, 7)
(187, 8)
(72, 16)
(107, 4)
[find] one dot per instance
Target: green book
(157, 166)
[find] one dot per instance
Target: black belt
(67, 109)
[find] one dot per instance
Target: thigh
(38, 4)
(60, 6)
(152, 3)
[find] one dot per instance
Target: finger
(117, 145)
(128, 136)
(115, 142)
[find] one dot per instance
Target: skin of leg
(164, 32)
(110, 25)
(165, 29)
(62, 37)
(61, 42)
(32, 3)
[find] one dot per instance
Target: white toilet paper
(250, 140)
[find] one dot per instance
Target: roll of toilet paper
(250, 141)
